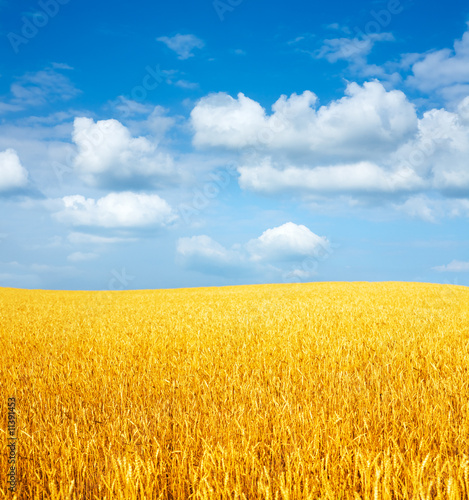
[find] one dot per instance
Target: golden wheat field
(293, 391)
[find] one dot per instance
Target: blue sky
(208, 143)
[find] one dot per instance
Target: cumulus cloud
(368, 145)
(362, 177)
(12, 174)
(440, 150)
(220, 120)
(183, 45)
(367, 122)
(455, 266)
(445, 71)
(109, 156)
(286, 250)
(116, 210)
(286, 243)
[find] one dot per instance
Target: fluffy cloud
(440, 150)
(12, 174)
(445, 71)
(220, 120)
(116, 210)
(286, 251)
(183, 45)
(288, 242)
(366, 123)
(456, 266)
(367, 144)
(108, 155)
(362, 177)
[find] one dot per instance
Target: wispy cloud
(444, 71)
(183, 45)
(351, 49)
(42, 87)
(455, 266)
(82, 256)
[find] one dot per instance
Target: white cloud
(366, 144)
(76, 238)
(455, 266)
(125, 210)
(335, 49)
(8, 108)
(365, 124)
(433, 209)
(184, 84)
(108, 155)
(183, 45)
(12, 174)
(362, 177)
(42, 87)
(355, 51)
(445, 71)
(275, 251)
(440, 150)
(82, 256)
(56, 65)
(220, 120)
(287, 242)
(203, 250)
(421, 207)
(129, 107)
(202, 245)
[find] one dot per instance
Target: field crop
(298, 391)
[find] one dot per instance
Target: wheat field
(293, 391)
